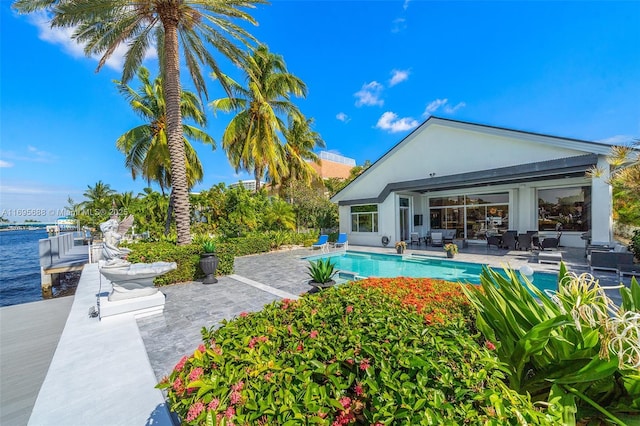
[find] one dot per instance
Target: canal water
(20, 268)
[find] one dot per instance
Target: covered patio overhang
(529, 172)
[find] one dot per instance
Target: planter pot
(400, 250)
(209, 264)
(450, 255)
(320, 286)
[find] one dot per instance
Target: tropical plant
(279, 215)
(322, 271)
(145, 147)
(251, 139)
(301, 140)
(209, 246)
(451, 248)
(348, 355)
(98, 203)
(401, 244)
(573, 347)
(190, 24)
(634, 246)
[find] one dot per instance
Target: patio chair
(609, 260)
(322, 243)
(436, 238)
(551, 242)
(525, 241)
(509, 240)
(415, 238)
(342, 242)
(494, 240)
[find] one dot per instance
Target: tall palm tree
(145, 146)
(179, 27)
(252, 138)
(301, 140)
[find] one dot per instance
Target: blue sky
(374, 70)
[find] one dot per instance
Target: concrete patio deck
(104, 372)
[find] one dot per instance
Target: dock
(59, 254)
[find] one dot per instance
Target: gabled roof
(590, 147)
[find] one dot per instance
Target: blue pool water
(386, 266)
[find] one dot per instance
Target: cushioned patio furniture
(415, 238)
(551, 242)
(525, 242)
(494, 240)
(632, 269)
(509, 240)
(436, 238)
(549, 257)
(322, 243)
(342, 241)
(609, 260)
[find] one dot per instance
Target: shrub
(186, 257)
(350, 354)
(575, 346)
(634, 246)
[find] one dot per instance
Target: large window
(564, 208)
(474, 216)
(364, 218)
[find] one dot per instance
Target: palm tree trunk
(167, 223)
(257, 173)
(172, 89)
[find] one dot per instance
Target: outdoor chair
(509, 240)
(609, 260)
(415, 238)
(551, 242)
(436, 238)
(525, 241)
(342, 242)
(493, 240)
(322, 243)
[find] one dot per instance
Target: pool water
(361, 265)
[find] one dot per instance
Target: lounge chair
(322, 243)
(609, 260)
(509, 240)
(525, 241)
(342, 242)
(415, 238)
(494, 240)
(436, 238)
(551, 242)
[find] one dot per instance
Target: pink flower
(349, 361)
(238, 386)
(313, 334)
(201, 348)
(194, 411)
(235, 397)
(213, 404)
(300, 347)
(364, 364)
(490, 346)
(314, 311)
(178, 386)
(196, 373)
(345, 401)
(180, 365)
(230, 412)
(358, 390)
(349, 309)
(268, 376)
(243, 314)
(290, 328)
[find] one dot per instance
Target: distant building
(333, 165)
(249, 184)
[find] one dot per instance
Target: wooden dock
(29, 335)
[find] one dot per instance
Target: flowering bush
(401, 244)
(352, 354)
(451, 248)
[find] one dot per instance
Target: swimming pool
(359, 264)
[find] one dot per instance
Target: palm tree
(252, 138)
(145, 146)
(188, 24)
(298, 152)
(98, 204)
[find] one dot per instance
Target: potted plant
(451, 249)
(321, 273)
(400, 247)
(209, 261)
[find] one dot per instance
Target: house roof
(592, 148)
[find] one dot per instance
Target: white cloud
(343, 117)
(398, 77)
(434, 105)
(451, 109)
(369, 94)
(398, 24)
(447, 108)
(405, 6)
(62, 37)
(33, 154)
(390, 121)
(618, 140)
(5, 164)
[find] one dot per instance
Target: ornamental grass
(376, 352)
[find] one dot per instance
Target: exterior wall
(386, 224)
(331, 169)
(448, 151)
(601, 206)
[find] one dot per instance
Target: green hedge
(188, 257)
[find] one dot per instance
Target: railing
(53, 248)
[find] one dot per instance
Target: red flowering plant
(353, 354)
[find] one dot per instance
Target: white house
(479, 179)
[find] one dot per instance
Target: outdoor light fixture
(432, 174)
